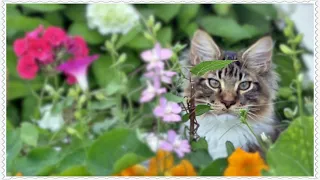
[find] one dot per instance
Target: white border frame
(315, 3)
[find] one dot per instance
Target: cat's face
(249, 83)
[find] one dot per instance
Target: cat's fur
(222, 123)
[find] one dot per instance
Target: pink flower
(155, 56)
(151, 91)
(54, 35)
(40, 49)
(168, 111)
(77, 46)
(174, 143)
(78, 69)
(20, 46)
(27, 67)
(71, 79)
(35, 33)
(165, 76)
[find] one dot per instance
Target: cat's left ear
(259, 56)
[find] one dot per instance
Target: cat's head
(248, 83)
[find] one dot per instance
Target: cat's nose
(228, 104)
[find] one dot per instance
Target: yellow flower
(135, 170)
(19, 174)
(185, 168)
(242, 163)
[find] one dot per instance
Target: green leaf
(75, 158)
(54, 18)
(199, 158)
(166, 12)
(200, 144)
(29, 106)
(39, 161)
(190, 29)
(103, 75)
(227, 28)
(187, 13)
(81, 29)
(139, 42)
(104, 104)
(13, 145)
(222, 9)
(266, 10)
(76, 171)
(12, 61)
(29, 133)
(44, 7)
(126, 161)
(124, 39)
(165, 36)
(206, 66)
(173, 98)
(76, 12)
(23, 23)
(201, 109)
(112, 146)
(230, 147)
(15, 84)
(292, 154)
(216, 168)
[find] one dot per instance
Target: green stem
(258, 139)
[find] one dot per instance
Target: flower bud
(285, 49)
(148, 36)
(288, 113)
(114, 38)
(48, 88)
(157, 27)
(122, 58)
(150, 21)
(109, 45)
(300, 77)
(100, 96)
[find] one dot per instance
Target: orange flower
(135, 170)
(185, 168)
(19, 174)
(242, 163)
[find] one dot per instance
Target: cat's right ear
(203, 48)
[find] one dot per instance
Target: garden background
(98, 133)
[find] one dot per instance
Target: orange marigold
(242, 163)
(185, 168)
(135, 170)
(160, 164)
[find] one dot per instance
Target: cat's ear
(258, 57)
(203, 48)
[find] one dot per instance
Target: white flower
(111, 18)
(49, 120)
(264, 137)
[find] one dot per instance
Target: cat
(249, 83)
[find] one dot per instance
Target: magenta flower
(174, 143)
(78, 69)
(151, 91)
(155, 56)
(35, 33)
(168, 111)
(165, 76)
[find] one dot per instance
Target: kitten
(249, 83)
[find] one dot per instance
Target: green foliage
(29, 134)
(292, 154)
(206, 66)
(216, 168)
(110, 147)
(90, 36)
(166, 12)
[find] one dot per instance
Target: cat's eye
(244, 85)
(214, 83)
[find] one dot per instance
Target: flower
(111, 18)
(242, 163)
(165, 76)
(155, 56)
(153, 140)
(135, 170)
(20, 46)
(77, 46)
(35, 33)
(174, 143)
(40, 49)
(19, 174)
(151, 91)
(49, 120)
(168, 111)
(163, 164)
(54, 35)
(185, 168)
(78, 68)
(27, 67)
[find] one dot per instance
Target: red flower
(55, 36)
(41, 49)
(36, 33)
(71, 79)
(77, 46)
(20, 46)
(27, 67)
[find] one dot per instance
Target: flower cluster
(47, 49)
(156, 74)
(111, 18)
(166, 110)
